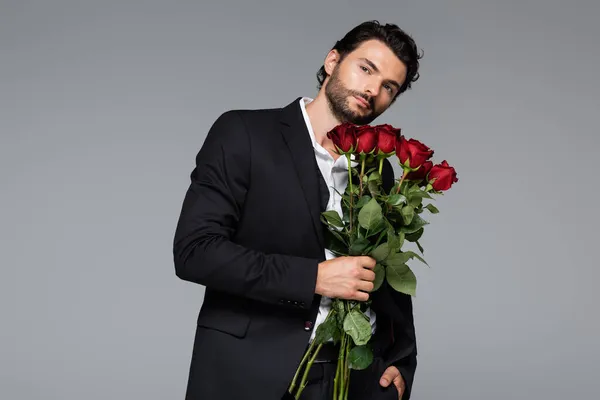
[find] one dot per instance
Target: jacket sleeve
(203, 249)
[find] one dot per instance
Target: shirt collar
(303, 102)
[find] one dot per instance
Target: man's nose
(372, 89)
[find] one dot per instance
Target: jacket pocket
(232, 317)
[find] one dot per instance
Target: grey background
(103, 106)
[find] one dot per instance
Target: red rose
(386, 138)
(442, 176)
(420, 173)
(366, 139)
(343, 137)
(412, 152)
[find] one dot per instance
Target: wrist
(318, 288)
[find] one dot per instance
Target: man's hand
(346, 278)
(392, 374)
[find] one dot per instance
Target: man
(249, 231)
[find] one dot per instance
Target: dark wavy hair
(395, 38)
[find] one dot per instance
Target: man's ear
(331, 61)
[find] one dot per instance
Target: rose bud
(412, 153)
(442, 176)
(366, 139)
(420, 173)
(343, 137)
(386, 139)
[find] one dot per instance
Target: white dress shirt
(335, 173)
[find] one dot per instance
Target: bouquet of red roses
(376, 223)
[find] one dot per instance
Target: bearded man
(250, 232)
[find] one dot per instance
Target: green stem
(362, 172)
(351, 188)
(338, 382)
(347, 369)
(331, 314)
(402, 180)
(347, 388)
(350, 175)
(380, 165)
(404, 173)
(306, 355)
(308, 366)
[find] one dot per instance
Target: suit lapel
(296, 136)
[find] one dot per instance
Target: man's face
(365, 83)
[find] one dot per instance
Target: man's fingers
(367, 262)
(390, 374)
(367, 275)
(366, 286)
(398, 382)
(361, 296)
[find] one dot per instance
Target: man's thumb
(387, 377)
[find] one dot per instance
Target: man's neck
(322, 121)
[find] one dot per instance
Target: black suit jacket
(250, 232)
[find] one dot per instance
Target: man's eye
(364, 68)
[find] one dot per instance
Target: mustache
(368, 99)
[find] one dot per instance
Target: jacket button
(308, 325)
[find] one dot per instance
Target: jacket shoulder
(254, 114)
(255, 122)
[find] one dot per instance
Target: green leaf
(358, 247)
(394, 241)
(403, 258)
(381, 252)
(373, 187)
(346, 216)
(379, 276)
(370, 215)
(416, 191)
(396, 199)
(401, 278)
(420, 247)
(340, 311)
(375, 177)
(334, 242)
(414, 201)
(333, 218)
(360, 357)
(419, 208)
(404, 188)
(407, 212)
(327, 330)
(363, 201)
(416, 224)
(378, 229)
(382, 235)
(433, 209)
(413, 237)
(338, 235)
(412, 254)
(358, 327)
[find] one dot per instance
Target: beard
(337, 95)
